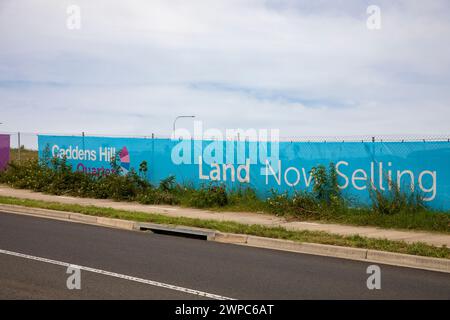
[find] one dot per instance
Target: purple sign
(4, 150)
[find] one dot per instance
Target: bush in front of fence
(56, 176)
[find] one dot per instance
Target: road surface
(118, 264)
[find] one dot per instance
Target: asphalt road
(187, 264)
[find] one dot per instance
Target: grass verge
(356, 241)
(419, 221)
(393, 209)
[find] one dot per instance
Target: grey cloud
(308, 67)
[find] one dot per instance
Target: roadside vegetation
(25, 154)
(389, 209)
(417, 248)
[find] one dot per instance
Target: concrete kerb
(406, 260)
(83, 218)
(61, 215)
(68, 216)
(116, 223)
(230, 238)
(310, 248)
(398, 259)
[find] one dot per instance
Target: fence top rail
(349, 138)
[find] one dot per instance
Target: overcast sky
(305, 67)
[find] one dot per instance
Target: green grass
(421, 220)
(418, 248)
(425, 220)
(58, 178)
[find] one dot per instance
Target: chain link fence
(21, 141)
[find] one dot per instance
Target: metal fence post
(152, 164)
(19, 146)
(82, 136)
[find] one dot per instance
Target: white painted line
(118, 275)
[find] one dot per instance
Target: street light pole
(178, 117)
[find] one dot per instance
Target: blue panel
(360, 165)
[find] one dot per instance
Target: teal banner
(423, 167)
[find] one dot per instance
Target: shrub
(393, 201)
(143, 169)
(29, 174)
(167, 184)
(299, 204)
(325, 187)
(242, 195)
(305, 204)
(325, 197)
(279, 203)
(209, 196)
(56, 176)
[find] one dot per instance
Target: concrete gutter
(246, 218)
(367, 255)
(189, 232)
